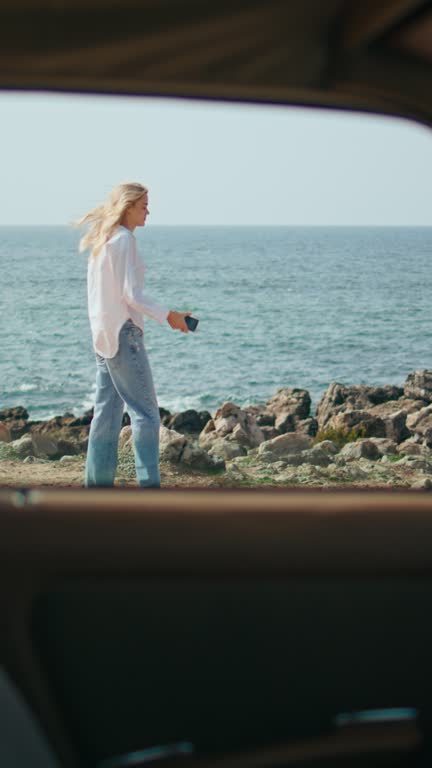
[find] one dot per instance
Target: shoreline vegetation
(359, 436)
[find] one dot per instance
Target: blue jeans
(126, 379)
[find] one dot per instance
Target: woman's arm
(123, 260)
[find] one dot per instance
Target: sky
(210, 163)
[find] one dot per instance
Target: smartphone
(191, 322)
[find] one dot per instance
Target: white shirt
(115, 280)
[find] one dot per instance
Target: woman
(116, 304)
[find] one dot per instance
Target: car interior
(220, 627)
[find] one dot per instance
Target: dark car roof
(374, 55)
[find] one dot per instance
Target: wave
(27, 387)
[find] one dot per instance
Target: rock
(288, 406)
(418, 386)
(29, 460)
(52, 445)
(340, 460)
(339, 397)
(414, 462)
(171, 444)
(207, 439)
(279, 466)
(366, 424)
(229, 415)
(384, 445)
(240, 436)
(380, 411)
(125, 438)
(307, 427)
(234, 425)
(317, 456)
(53, 425)
(265, 419)
(291, 460)
(411, 448)
(227, 409)
(328, 446)
(298, 468)
(67, 459)
(309, 475)
(290, 400)
(165, 416)
(224, 424)
(384, 410)
(395, 426)
(400, 424)
(69, 439)
(195, 457)
(370, 466)
(332, 401)
(262, 417)
(354, 472)
(269, 432)
(423, 484)
(5, 435)
(415, 418)
(43, 445)
(71, 447)
(17, 428)
(284, 445)
(384, 394)
(85, 420)
(189, 421)
(23, 446)
(13, 414)
(209, 427)
(175, 448)
(360, 449)
(59, 441)
(226, 449)
(420, 423)
(285, 422)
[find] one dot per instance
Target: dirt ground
(49, 474)
(15, 473)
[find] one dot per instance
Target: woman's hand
(177, 320)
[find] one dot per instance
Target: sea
(277, 307)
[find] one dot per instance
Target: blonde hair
(105, 218)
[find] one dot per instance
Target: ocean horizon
(279, 306)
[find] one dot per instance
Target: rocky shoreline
(359, 435)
